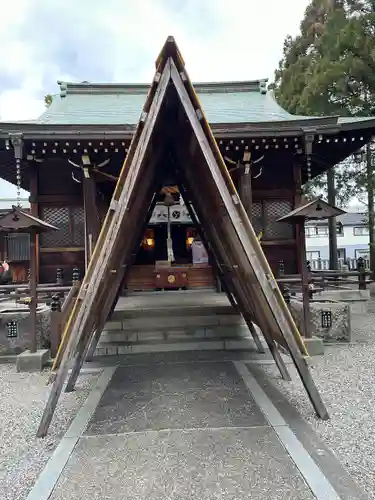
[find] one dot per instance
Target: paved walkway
(182, 426)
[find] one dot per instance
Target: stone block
(32, 361)
(231, 320)
(239, 344)
(113, 325)
(18, 340)
(356, 299)
(340, 315)
(314, 346)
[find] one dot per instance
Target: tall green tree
(329, 69)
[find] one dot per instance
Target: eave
(296, 127)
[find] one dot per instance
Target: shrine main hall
(69, 159)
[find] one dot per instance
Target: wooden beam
(82, 321)
(235, 278)
(91, 213)
(88, 349)
(33, 292)
(34, 209)
(245, 190)
(61, 249)
(274, 194)
(57, 199)
(237, 220)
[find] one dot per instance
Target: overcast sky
(44, 41)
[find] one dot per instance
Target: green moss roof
(117, 104)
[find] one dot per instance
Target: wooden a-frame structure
(174, 136)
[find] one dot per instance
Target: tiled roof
(347, 219)
(116, 104)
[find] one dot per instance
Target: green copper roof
(116, 104)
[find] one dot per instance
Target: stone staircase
(174, 321)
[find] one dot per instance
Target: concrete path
(185, 427)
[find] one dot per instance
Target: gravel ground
(22, 455)
(345, 376)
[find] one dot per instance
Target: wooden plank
(223, 218)
(88, 349)
(240, 295)
(110, 287)
(80, 318)
(114, 215)
(64, 314)
(273, 298)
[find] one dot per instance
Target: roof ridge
(86, 87)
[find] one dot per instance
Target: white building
(352, 238)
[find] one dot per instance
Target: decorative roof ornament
(263, 87)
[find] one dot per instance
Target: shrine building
(69, 160)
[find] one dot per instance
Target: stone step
(169, 321)
(200, 344)
(180, 310)
(174, 334)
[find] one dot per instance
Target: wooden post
(305, 282)
(55, 335)
(245, 190)
(362, 273)
(92, 214)
(297, 202)
(332, 231)
(33, 292)
(60, 280)
(34, 209)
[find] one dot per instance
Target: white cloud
(18, 105)
(118, 40)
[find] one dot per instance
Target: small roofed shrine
(70, 159)
(19, 221)
(316, 209)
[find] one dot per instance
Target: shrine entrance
(171, 255)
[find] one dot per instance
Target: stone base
(314, 346)
(356, 299)
(340, 330)
(32, 361)
(20, 316)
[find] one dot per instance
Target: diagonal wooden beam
(279, 315)
(88, 348)
(240, 293)
(82, 320)
(111, 287)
